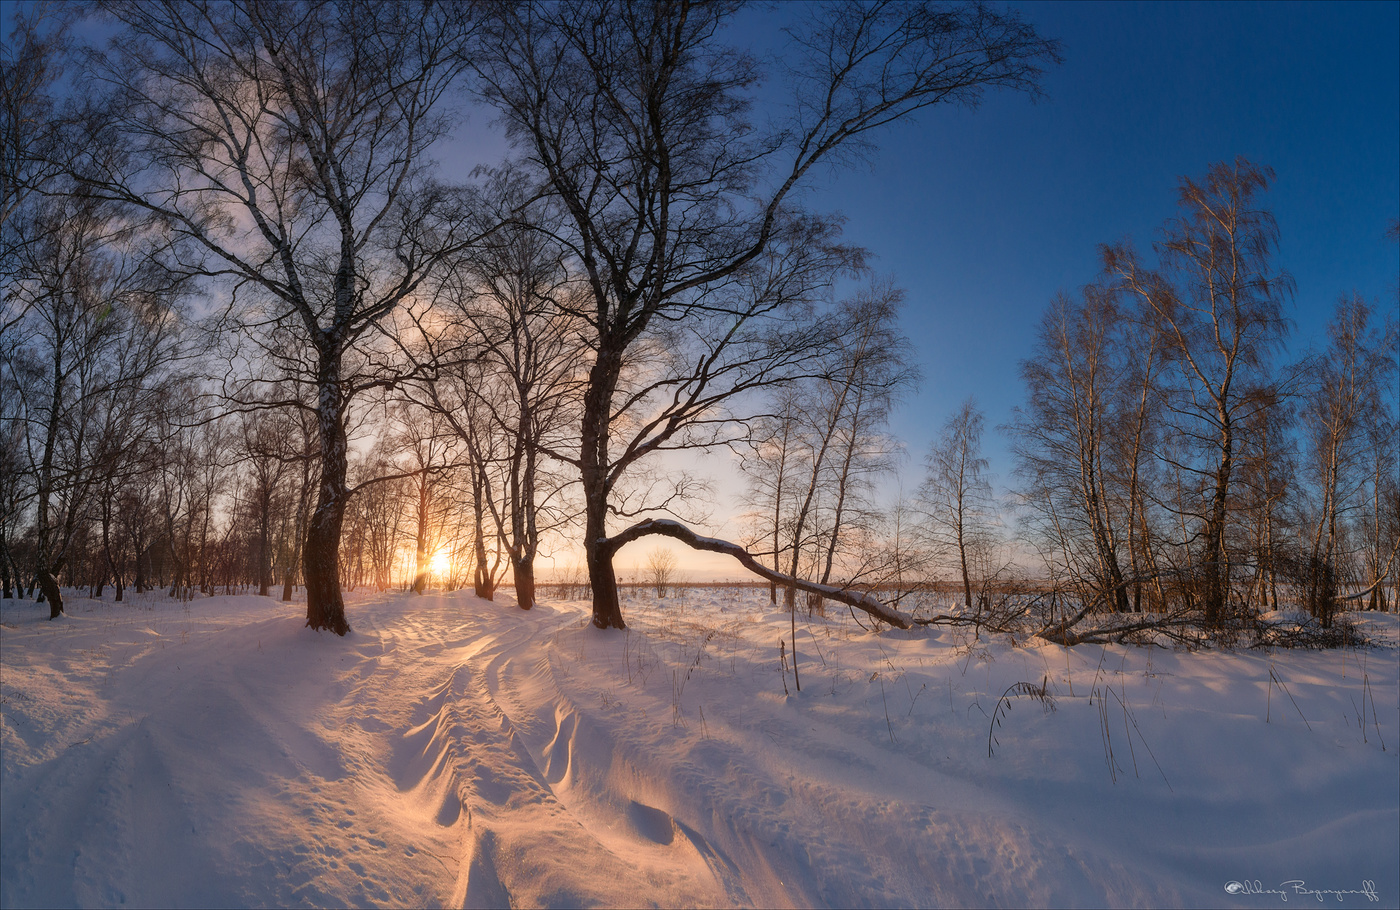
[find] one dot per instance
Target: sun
(441, 563)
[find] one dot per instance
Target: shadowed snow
(453, 751)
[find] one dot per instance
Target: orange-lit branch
(677, 531)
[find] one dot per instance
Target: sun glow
(441, 563)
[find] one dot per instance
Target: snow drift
(454, 751)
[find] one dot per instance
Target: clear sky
(983, 215)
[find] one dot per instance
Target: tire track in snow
(764, 823)
(465, 764)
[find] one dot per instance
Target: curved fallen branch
(1063, 632)
(1169, 625)
(1380, 579)
(677, 531)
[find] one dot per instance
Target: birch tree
(955, 496)
(288, 143)
(635, 119)
(1063, 441)
(1217, 298)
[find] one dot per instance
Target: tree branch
(677, 531)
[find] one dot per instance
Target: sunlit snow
(454, 751)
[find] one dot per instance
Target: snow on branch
(677, 531)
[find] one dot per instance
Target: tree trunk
(289, 576)
(962, 565)
(483, 584)
(112, 570)
(324, 607)
(602, 580)
(421, 559)
(4, 568)
(523, 568)
(265, 543)
(49, 586)
(523, 530)
(139, 581)
(1217, 570)
(598, 552)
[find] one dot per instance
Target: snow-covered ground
(452, 751)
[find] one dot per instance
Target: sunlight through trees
(257, 335)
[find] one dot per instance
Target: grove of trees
(256, 334)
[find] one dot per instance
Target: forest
(375, 375)
(258, 338)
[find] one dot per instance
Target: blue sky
(983, 215)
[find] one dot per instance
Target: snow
(453, 751)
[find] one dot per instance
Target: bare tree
(262, 441)
(1063, 440)
(288, 143)
(955, 496)
(661, 569)
(31, 136)
(1343, 403)
(14, 492)
(1268, 485)
(463, 396)
(634, 118)
(772, 463)
(430, 451)
(1380, 532)
(505, 374)
(828, 440)
(1217, 300)
(1135, 430)
(876, 373)
(210, 486)
(377, 517)
(89, 309)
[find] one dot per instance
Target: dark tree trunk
(1217, 568)
(962, 564)
(265, 545)
(289, 578)
(598, 552)
(483, 582)
(483, 585)
(607, 609)
(325, 609)
(112, 570)
(595, 465)
(524, 532)
(48, 585)
(138, 581)
(523, 568)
